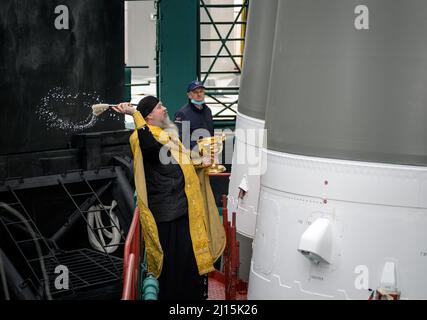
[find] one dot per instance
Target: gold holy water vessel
(211, 147)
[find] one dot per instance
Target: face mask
(198, 103)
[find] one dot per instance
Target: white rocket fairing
(343, 201)
(249, 137)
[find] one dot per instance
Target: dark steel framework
(87, 268)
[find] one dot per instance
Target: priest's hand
(125, 108)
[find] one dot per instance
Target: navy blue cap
(193, 85)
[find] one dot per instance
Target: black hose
(39, 251)
(3, 277)
(18, 288)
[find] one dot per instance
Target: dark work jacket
(165, 183)
(198, 119)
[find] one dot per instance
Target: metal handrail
(129, 279)
(130, 265)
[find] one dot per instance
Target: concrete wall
(140, 37)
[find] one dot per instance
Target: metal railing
(131, 260)
(223, 99)
(130, 84)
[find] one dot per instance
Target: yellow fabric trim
(204, 250)
(196, 208)
(139, 120)
(148, 224)
(214, 226)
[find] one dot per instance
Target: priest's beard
(170, 128)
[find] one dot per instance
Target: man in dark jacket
(168, 202)
(194, 120)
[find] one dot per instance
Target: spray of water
(57, 110)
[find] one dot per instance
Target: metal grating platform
(88, 270)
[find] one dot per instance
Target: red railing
(231, 260)
(129, 278)
(131, 260)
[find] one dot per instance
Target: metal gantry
(222, 99)
(87, 268)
